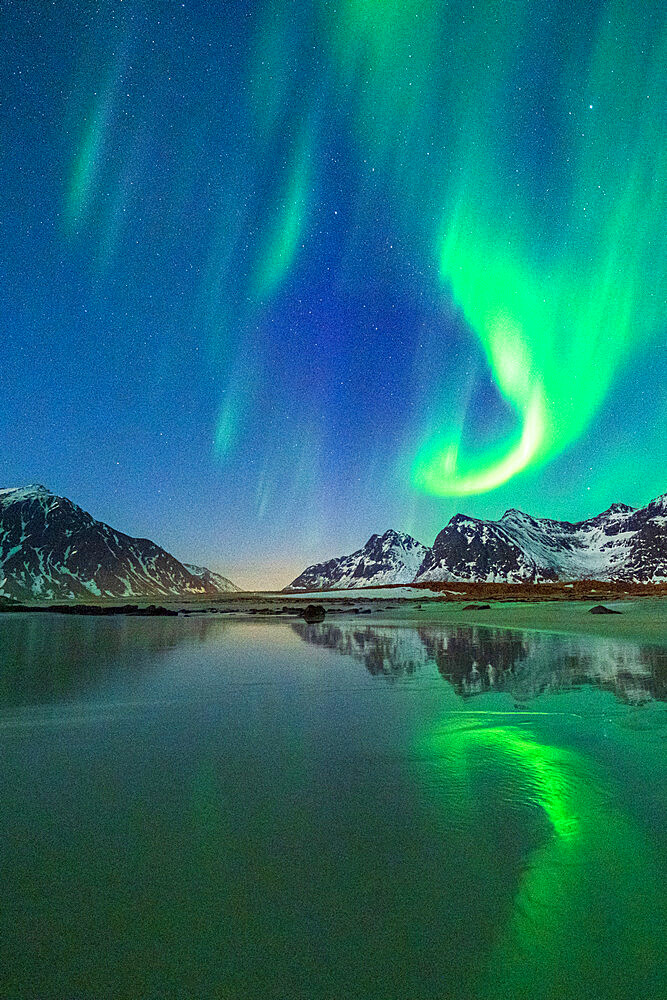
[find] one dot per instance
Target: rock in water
(313, 613)
(600, 609)
(477, 607)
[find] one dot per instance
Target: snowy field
(357, 593)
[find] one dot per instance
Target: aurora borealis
(280, 275)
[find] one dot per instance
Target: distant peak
(23, 492)
(462, 518)
(619, 508)
(389, 536)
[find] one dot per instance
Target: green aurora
(558, 312)
(559, 276)
(385, 254)
(559, 272)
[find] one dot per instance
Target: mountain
(51, 549)
(209, 577)
(390, 558)
(468, 549)
(623, 543)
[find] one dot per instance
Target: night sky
(279, 275)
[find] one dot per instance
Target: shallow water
(195, 808)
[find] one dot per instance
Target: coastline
(641, 619)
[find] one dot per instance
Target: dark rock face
(469, 549)
(216, 581)
(50, 549)
(313, 613)
(600, 609)
(647, 552)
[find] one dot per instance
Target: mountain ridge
(622, 543)
(52, 549)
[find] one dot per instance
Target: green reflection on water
(588, 917)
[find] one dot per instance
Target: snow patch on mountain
(622, 543)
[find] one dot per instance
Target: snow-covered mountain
(51, 549)
(622, 543)
(217, 580)
(390, 558)
(468, 549)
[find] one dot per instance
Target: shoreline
(639, 619)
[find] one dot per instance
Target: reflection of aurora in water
(251, 815)
(592, 887)
(568, 868)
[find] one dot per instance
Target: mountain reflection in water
(475, 659)
(45, 658)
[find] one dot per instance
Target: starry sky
(278, 275)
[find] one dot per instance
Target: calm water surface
(195, 808)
